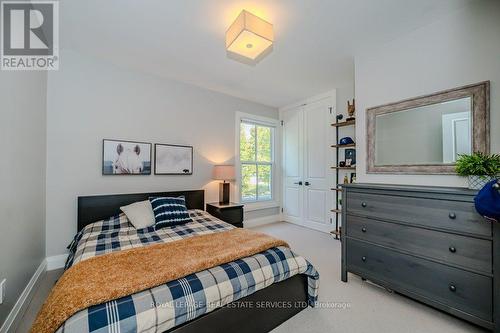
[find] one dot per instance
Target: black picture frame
(184, 173)
(352, 177)
(105, 168)
(350, 153)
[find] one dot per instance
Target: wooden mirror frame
(480, 95)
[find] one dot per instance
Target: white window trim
(276, 172)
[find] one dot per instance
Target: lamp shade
(249, 36)
(223, 172)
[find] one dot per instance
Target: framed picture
(173, 159)
(353, 177)
(120, 157)
(350, 154)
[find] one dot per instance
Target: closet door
(307, 158)
(317, 162)
(293, 183)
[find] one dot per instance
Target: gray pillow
(140, 214)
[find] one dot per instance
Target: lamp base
(224, 193)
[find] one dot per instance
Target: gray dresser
(427, 243)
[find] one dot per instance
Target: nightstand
(231, 213)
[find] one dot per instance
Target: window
(256, 161)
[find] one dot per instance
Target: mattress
(176, 302)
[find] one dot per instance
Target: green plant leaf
(478, 164)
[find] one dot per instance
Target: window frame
(274, 163)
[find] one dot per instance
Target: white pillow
(140, 214)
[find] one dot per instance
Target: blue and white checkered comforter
(171, 304)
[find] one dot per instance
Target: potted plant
(479, 168)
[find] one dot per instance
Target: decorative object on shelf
(121, 157)
(353, 177)
(346, 141)
(348, 162)
(479, 168)
(350, 154)
(351, 110)
(173, 159)
(225, 173)
(487, 201)
(342, 143)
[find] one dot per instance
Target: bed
(245, 308)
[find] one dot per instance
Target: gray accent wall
(461, 48)
(22, 179)
(90, 99)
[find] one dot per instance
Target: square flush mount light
(249, 37)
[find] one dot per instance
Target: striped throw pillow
(169, 211)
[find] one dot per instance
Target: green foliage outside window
(256, 156)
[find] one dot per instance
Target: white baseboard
(261, 221)
(56, 262)
(23, 300)
(324, 229)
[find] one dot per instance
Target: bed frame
(99, 207)
(247, 315)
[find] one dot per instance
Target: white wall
(89, 100)
(22, 179)
(345, 92)
(462, 48)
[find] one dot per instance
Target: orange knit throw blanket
(108, 277)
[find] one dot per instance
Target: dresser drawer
(458, 250)
(447, 215)
(462, 290)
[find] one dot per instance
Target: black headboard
(97, 207)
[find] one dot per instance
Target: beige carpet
(372, 309)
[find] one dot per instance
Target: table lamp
(224, 173)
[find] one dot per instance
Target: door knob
(363, 204)
(452, 216)
(298, 183)
(307, 183)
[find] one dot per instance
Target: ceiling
(315, 40)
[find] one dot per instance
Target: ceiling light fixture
(249, 38)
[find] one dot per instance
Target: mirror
(431, 134)
(426, 134)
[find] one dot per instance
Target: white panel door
(293, 165)
(456, 135)
(317, 161)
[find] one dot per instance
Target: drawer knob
(363, 258)
(363, 204)
(452, 249)
(452, 216)
(363, 229)
(453, 288)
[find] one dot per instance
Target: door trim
(331, 96)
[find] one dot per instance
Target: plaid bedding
(176, 302)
